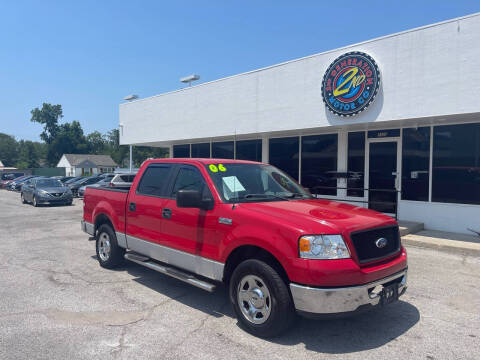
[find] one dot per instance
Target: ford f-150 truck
(279, 250)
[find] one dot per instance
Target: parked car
(16, 185)
(45, 191)
(64, 179)
(122, 180)
(74, 179)
(105, 181)
(8, 178)
(249, 225)
(82, 182)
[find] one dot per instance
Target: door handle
(132, 207)
(167, 213)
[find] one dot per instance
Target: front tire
(109, 254)
(23, 198)
(34, 201)
(260, 299)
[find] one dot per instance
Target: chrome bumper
(87, 227)
(346, 299)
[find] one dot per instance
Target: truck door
(189, 229)
(144, 207)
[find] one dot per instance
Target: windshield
(253, 183)
(49, 183)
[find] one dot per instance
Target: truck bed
(107, 200)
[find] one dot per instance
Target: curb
(451, 246)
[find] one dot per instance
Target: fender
(105, 208)
(278, 244)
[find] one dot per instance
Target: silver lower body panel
(345, 299)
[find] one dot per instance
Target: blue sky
(87, 55)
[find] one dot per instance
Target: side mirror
(193, 199)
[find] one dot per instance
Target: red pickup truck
(279, 250)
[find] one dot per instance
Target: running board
(170, 271)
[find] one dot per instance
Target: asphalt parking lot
(57, 303)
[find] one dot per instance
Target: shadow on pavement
(365, 331)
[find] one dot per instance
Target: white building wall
(440, 216)
(426, 72)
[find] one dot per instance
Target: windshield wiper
(265, 195)
(296, 194)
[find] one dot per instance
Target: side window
(127, 178)
(189, 178)
(154, 180)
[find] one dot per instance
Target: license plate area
(389, 294)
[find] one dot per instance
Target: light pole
(129, 98)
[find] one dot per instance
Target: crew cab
(279, 250)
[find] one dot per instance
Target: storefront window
(356, 163)
(319, 163)
(222, 150)
(201, 150)
(415, 163)
(249, 150)
(181, 151)
(456, 164)
(283, 153)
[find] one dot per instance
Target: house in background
(83, 164)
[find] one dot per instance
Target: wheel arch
(100, 220)
(245, 252)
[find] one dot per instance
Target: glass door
(383, 175)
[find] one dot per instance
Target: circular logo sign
(350, 83)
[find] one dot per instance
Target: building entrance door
(383, 175)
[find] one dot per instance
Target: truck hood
(320, 216)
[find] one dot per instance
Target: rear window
(154, 180)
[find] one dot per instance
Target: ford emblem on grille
(381, 243)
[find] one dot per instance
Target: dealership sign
(350, 83)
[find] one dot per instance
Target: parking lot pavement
(57, 303)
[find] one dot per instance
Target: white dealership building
(410, 146)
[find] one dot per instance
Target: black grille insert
(365, 243)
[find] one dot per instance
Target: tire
(109, 254)
(23, 198)
(34, 201)
(261, 288)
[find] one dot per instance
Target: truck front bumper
(312, 300)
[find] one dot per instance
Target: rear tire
(109, 254)
(23, 198)
(260, 299)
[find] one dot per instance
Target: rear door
(144, 207)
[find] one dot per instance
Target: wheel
(109, 254)
(23, 198)
(34, 201)
(260, 299)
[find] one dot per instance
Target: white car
(104, 182)
(122, 180)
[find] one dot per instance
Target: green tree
(68, 140)
(28, 156)
(118, 153)
(96, 142)
(48, 116)
(8, 150)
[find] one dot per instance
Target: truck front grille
(366, 243)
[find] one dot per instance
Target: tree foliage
(48, 116)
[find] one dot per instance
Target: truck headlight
(323, 247)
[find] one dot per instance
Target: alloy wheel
(104, 247)
(254, 299)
